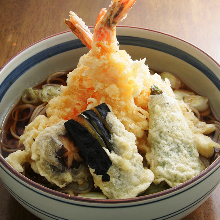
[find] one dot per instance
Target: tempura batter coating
(128, 177)
(173, 155)
(19, 158)
(45, 158)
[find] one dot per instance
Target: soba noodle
(26, 110)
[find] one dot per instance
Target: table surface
(25, 22)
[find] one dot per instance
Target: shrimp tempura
(105, 74)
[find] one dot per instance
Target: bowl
(62, 51)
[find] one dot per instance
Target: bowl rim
(175, 190)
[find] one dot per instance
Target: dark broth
(8, 142)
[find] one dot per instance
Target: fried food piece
(128, 177)
(55, 157)
(105, 74)
(173, 155)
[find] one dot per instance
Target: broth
(17, 119)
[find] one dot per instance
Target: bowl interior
(62, 51)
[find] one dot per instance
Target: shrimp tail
(78, 27)
(101, 14)
(118, 11)
(107, 20)
(105, 23)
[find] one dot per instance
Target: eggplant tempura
(95, 131)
